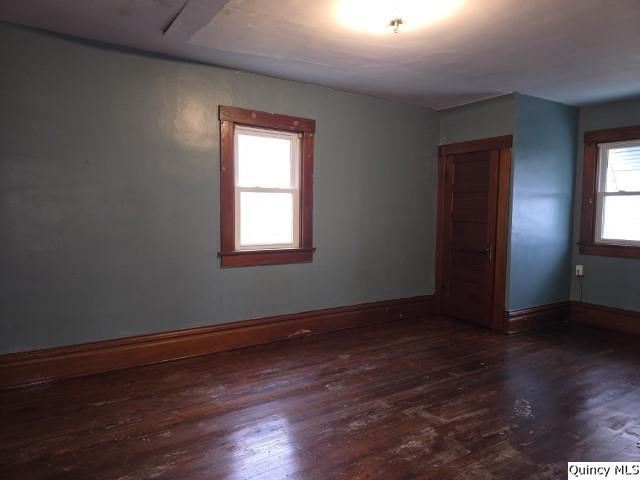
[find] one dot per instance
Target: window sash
(601, 193)
(294, 158)
(295, 220)
(603, 163)
(293, 190)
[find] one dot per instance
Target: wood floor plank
(426, 399)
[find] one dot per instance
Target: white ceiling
(571, 51)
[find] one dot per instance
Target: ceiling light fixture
(395, 23)
(383, 16)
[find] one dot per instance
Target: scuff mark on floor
(380, 412)
(416, 445)
(420, 411)
(522, 408)
(333, 386)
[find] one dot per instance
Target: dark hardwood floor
(429, 399)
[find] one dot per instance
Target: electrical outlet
(579, 270)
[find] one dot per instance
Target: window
(267, 189)
(618, 201)
(266, 174)
(611, 193)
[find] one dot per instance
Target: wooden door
(468, 237)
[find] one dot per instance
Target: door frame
(504, 145)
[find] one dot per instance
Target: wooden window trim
(587, 243)
(229, 256)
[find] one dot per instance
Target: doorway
(473, 210)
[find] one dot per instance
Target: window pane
(266, 218)
(621, 218)
(623, 172)
(264, 161)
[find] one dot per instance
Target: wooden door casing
(473, 207)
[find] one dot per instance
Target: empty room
(328, 239)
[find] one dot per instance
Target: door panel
(469, 207)
(469, 237)
(463, 290)
(468, 266)
(472, 171)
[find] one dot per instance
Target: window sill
(252, 258)
(609, 250)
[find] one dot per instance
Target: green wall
(489, 118)
(109, 195)
(109, 192)
(542, 203)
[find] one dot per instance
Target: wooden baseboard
(517, 321)
(77, 360)
(626, 321)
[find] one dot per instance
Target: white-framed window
(618, 193)
(267, 188)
